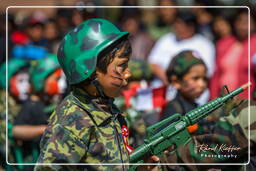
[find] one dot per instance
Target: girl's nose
(202, 83)
(127, 74)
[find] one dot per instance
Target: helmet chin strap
(99, 88)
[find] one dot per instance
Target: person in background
(185, 38)
(51, 34)
(47, 86)
(2, 38)
(140, 40)
(204, 18)
(18, 81)
(63, 21)
(187, 73)
(254, 73)
(165, 17)
(80, 14)
(35, 31)
(233, 56)
(18, 91)
(221, 29)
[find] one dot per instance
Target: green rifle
(172, 132)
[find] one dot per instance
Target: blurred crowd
(215, 38)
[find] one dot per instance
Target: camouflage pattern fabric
(227, 143)
(182, 62)
(2, 121)
(13, 109)
(2, 132)
(83, 129)
(140, 70)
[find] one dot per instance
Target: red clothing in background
(232, 65)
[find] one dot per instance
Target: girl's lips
(119, 82)
(122, 88)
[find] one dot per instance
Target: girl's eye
(123, 67)
(195, 78)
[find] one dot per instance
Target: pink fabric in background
(232, 65)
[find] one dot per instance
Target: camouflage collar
(101, 111)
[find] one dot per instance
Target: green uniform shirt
(84, 129)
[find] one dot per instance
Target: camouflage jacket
(84, 130)
(13, 109)
(227, 143)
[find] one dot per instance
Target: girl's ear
(175, 82)
(98, 72)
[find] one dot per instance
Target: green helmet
(14, 65)
(80, 48)
(41, 69)
(140, 70)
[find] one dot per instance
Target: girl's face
(19, 85)
(115, 79)
(241, 26)
(222, 27)
(194, 82)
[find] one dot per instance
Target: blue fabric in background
(29, 52)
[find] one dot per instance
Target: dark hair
(188, 18)
(108, 54)
(240, 12)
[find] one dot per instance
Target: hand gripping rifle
(173, 130)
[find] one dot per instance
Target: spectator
(35, 32)
(77, 17)
(221, 28)
(51, 34)
(81, 14)
(232, 58)
(185, 38)
(2, 39)
(63, 20)
(32, 118)
(204, 18)
(18, 88)
(140, 40)
(164, 20)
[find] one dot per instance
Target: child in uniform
(187, 73)
(87, 127)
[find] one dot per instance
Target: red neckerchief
(125, 135)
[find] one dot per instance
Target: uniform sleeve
(60, 146)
